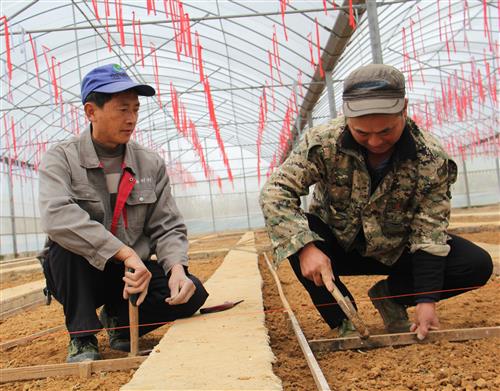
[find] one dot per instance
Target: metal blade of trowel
(348, 308)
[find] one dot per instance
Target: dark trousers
(467, 265)
(81, 289)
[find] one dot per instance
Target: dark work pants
(467, 265)
(81, 289)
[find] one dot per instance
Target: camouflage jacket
(408, 210)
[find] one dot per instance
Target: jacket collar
(406, 148)
(89, 158)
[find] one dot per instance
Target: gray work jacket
(76, 211)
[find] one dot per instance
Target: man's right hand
(138, 280)
(316, 266)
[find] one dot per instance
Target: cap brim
(141, 89)
(358, 108)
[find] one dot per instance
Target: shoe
(83, 349)
(119, 339)
(393, 314)
(346, 329)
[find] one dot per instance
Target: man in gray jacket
(106, 206)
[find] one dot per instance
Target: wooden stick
(133, 314)
(24, 340)
(71, 369)
(316, 372)
(85, 369)
(398, 339)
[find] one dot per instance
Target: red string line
(274, 310)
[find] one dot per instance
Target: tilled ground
(439, 366)
(52, 348)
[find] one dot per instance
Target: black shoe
(119, 339)
(83, 349)
(393, 314)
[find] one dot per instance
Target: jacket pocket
(338, 220)
(395, 224)
(138, 203)
(87, 198)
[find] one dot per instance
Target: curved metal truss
(237, 82)
(247, 48)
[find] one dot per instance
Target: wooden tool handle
(133, 316)
(348, 308)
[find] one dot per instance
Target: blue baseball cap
(110, 79)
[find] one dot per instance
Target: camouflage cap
(374, 89)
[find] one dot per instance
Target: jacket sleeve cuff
(290, 247)
(105, 252)
(420, 300)
(440, 250)
(428, 276)
(168, 265)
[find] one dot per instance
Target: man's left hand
(181, 287)
(425, 319)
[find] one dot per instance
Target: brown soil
(51, 349)
(493, 218)
(495, 208)
(483, 237)
(215, 242)
(439, 366)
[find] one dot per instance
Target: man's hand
(425, 319)
(316, 266)
(181, 287)
(137, 281)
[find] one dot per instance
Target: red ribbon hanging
(485, 23)
(276, 55)
(13, 132)
(136, 46)
(198, 148)
(140, 42)
(311, 56)
(7, 143)
(156, 74)
(108, 34)
(439, 21)
(491, 82)
(35, 59)
(96, 11)
(318, 46)
(352, 22)
(120, 22)
(7, 47)
(283, 4)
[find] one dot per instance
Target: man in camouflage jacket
(381, 205)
